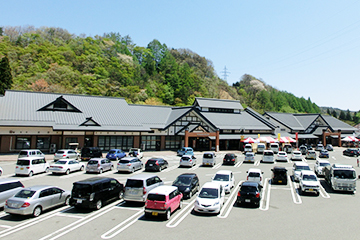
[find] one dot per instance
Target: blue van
(185, 151)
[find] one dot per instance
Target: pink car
(163, 200)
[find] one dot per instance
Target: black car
(303, 149)
(90, 152)
(279, 175)
(230, 158)
(249, 193)
(351, 152)
(95, 192)
(156, 164)
(188, 184)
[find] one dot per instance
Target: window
(23, 143)
(8, 186)
(221, 110)
(43, 142)
(69, 140)
(111, 142)
(149, 142)
(172, 142)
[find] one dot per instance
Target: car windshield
(208, 155)
(61, 162)
(23, 162)
(25, 194)
(299, 168)
(182, 181)
(324, 164)
(208, 193)
(134, 183)
(156, 197)
(112, 151)
(345, 174)
(309, 178)
(221, 177)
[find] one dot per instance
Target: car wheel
(160, 169)
(121, 195)
(37, 211)
(98, 204)
(82, 168)
(100, 171)
(180, 204)
(112, 167)
(133, 170)
(167, 214)
(47, 170)
(67, 200)
(67, 172)
(0, 173)
(190, 194)
(31, 173)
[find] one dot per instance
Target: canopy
(249, 140)
(350, 139)
(266, 140)
(287, 140)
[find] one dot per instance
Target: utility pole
(225, 73)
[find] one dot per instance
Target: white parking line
(232, 199)
(294, 192)
(5, 226)
(268, 185)
(334, 158)
(69, 215)
(194, 167)
(170, 223)
(105, 235)
(170, 168)
(72, 175)
(257, 163)
(323, 193)
(238, 164)
(217, 166)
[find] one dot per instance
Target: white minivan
(31, 165)
(268, 156)
(248, 148)
(274, 147)
(261, 148)
(209, 158)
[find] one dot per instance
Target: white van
(209, 158)
(274, 147)
(248, 148)
(268, 156)
(261, 148)
(31, 165)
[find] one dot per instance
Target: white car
(209, 158)
(254, 175)
(309, 182)
(249, 157)
(319, 166)
(66, 166)
(282, 156)
(66, 154)
(225, 178)
(311, 154)
(210, 198)
(248, 148)
(187, 161)
(1, 171)
(31, 165)
(268, 156)
(297, 168)
(136, 152)
(31, 153)
(296, 155)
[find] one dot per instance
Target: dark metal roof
(218, 103)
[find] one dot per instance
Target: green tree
(5, 75)
(342, 115)
(334, 113)
(348, 115)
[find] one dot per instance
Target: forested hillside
(53, 60)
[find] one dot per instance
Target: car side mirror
(262, 172)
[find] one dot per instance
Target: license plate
(311, 189)
(78, 201)
(150, 165)
(280, 181)
(247, 200)
(207, 163)
(154, 213)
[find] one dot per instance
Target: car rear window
(248, 154)
(208, 156)
(268, 153)
(82, 189)
(152, 161)
(324, 164)
(134, 183)
(229, 156)
(185, 158)
(248, 188)
(23, 162)
(25, 194)
(124, 161)
(93, 162)
(254, 174)
(156, 197)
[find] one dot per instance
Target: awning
(249, 140)
(287, 140)
(266, 140)
(350, 139)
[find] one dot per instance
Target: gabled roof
(306, 119)
(286, 119)
(259, 117)
(337, 124)
(217, 103)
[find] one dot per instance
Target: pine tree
(5, 75)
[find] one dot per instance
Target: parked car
(31, 153)
(324, 154)
(187, 161)
(274, 147)
(210, 198)
(329, 147)
(129, 164)
(8, 188)
(352, 152)
(268, 156)
(90, 152)
(249, 193)
(309, 183)
(115, 154)
(156, 164)
(311, 154)
(279, 175)
(319, 166)
(303, 149)
(95, 192)
(254, 175)
(209, 159)
(261, 147)
(66, 166)
(163, 200)
(188, 184)
(288, 148)
(319, 147)
(1, 171)
(34, 200)
(136, 152)
(185, 151)
(230, 158)
(282, 156)
(296, 155)
(249, 157)
(137, 187)
(31, 165)
(99, 165)
(248, 147)
(66, 154)
(225, 178)
(297, 168)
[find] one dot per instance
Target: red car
(163, 200)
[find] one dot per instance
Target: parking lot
(283, 213)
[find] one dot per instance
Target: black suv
(90, 152)
(279, 175)
(230, 158)
(249, 193)
(94, 192)
(351, 152)
(188, 184)
(156, 164)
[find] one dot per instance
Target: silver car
(99, 165)
(137, 187)
(188, 160)
(8, 188)
(34, 200)
(129, 164)
(66, 154)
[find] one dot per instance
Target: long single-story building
(50, 121)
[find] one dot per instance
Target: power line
(225, 73)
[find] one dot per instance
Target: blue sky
(310, 48)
